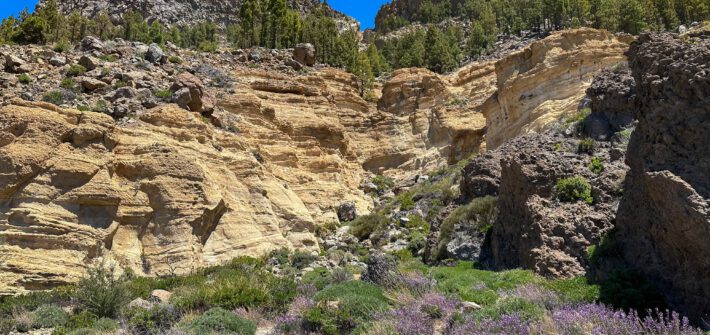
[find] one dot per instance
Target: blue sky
(12, 7)
(363, 10)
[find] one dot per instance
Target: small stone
(305, 53)
(155, 54)
(469, 306)
(91, 84)
(89, 62)
(161, 296)
(91, 43)
(58, 60)
(140, 303)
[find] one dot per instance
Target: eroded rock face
(612, 98)
(664, 218)
(156, 196)
(163, 190)
(536, 231)
(547, 80)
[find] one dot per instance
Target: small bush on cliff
(574, 189)
(76, 70)
(47, 316)
(383, 183)
(586, 146)
(596, 166)
(220, 321)
(366, 225)
(24, 79)
(101, 292)
(480, 212)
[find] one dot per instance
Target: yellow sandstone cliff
(168, 193)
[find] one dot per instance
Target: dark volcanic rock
(536, 231)
(612, 99)
(664, 217)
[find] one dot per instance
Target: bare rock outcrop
(158, 189)
(537, 231)
(547, 80)
(664, 217)
(612, 98)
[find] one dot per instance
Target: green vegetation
(586, 146)
(175, 60)
(76, 70)
(164, 94)
(383, 183)
(480, 213)
(218, 320)
(62, 46)
(366, 225)
(54, 97)
(574, 189)
(24, 79)
(596, 166)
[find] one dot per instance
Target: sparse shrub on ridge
(574, 189)
(218, 320)
(101, 292)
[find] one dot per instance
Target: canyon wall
(664, 217)
(163, 190)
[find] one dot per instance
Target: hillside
(273, 173)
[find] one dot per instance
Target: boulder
(91, 43)
(347, 212)
(160, 296)
(305, 53)
(155, 54)
(189, 93)
(14, 64)
(89, 62)
(58, 60)
(140, 303)
(91, 84)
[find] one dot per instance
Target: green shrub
(239, 285)
(76, 70)
(327, 228)
(383, 183)
(175, 60)
(62, 46)
(54, 97)
(109, 58)
(577, 119)
(324, 319)
(302, 259)
(480, 212)
(217, 320)
(68, 83)
(574, 290)
(366, 225)
(416, 241)
(164, 94)
(596, 166)
(101, 106)
(319, 277)
(48, 316)
(357, 298)
(24, 79)
(101, 293)
(101, 326)
(406, 202)
(150, 321)
(586, 146)
(574, 189)
(207, 46)
(479, 286)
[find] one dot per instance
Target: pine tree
(631, 16)
(438, 58)
(277, 13)
(362, 69)
(247, 17)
